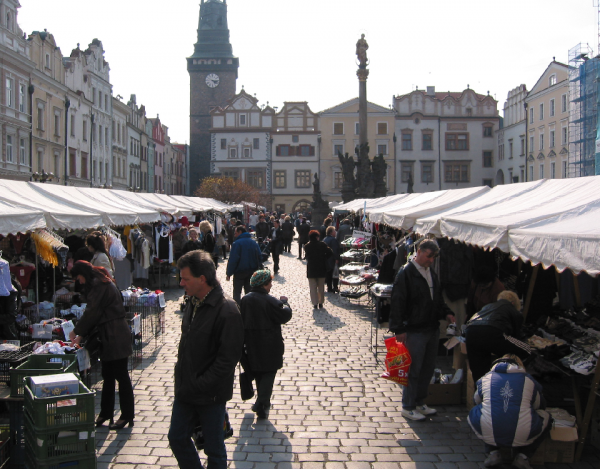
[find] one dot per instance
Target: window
(564, 136)
(235, 175)
(85, 131)
(552, 108)
(22, 152)
(57, 124)
(563, 103)
(100, 135)
(427, 141)
(233, 153)
(541, 141)
(488, 130)
(338, 128)
(542, 111)
(295, 138)
(10, 96)
(94, 95)
(531, 146)
(564, 169)
(500, 152)
(256, 143)
(552, 139)
(382, 149)
(100, 99)
(406, 140)
(40, 118)
(541, 171)
(487, 182)
(406, 172)
(47, 60)
(283, 150)
(510, 149)
(22, 98)
(552, 80)
(40, 159)
(280, 208)
(488, 161)
(106, 102)
(337, 149)
(223, 144)
(553, 170)
(356, 128)
(72, 162)
(457, 171)
(106, 138)
(338, 179)
(427, 172)
(280, 179)
(255, 179)
(531, 115)
(457, 141)
(247, 153)
(522, 147)
(72, 125)
(306, 150)
(242, 119)
(382, 128)
(302, 178)
(9, 149)
(531, 173)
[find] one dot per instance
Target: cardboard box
(54, 385)
(444, 394)
(558, 448)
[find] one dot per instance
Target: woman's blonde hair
(510, 356)
(512, 297)
(205, 226)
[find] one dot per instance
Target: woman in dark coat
(332, 283)
(263, 316)
(317, 253)
(106, 312)
(288, 234)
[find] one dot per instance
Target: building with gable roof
(445, 140)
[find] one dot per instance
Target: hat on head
(260, 278)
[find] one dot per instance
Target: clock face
(212, 80)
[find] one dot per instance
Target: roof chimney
(431, 91)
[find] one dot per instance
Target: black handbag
(246, 388)
(93, 342)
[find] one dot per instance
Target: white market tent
(15, 218)
(405, 213)
(57, 213)
(145, 200)
(359, 204)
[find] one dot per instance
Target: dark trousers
(528, 450)
(300, 246)
(485, 344)
(116, 371)
(423, 347)
(184, 418)
(287, 245)
(240, 280)
(275, 252)
(224, 250)
(332, 283)
(264, 387)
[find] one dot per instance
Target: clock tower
(213, 73)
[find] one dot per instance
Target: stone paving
(331, 410)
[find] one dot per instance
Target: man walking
(416, 309)
(276, 244)
(212, 338)
(244, 259)
(303, 231)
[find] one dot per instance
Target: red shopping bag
(397, 362)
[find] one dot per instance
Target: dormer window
(552, 80)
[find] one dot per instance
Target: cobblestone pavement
(331, 410)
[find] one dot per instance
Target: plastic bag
(397, 362)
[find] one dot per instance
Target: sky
(304, 50)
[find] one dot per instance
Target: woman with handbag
(263, 316)
(105, 313)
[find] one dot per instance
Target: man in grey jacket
(212, 337)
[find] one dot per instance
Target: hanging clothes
(6, 286)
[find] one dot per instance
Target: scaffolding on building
(583, 110)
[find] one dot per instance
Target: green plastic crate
(61, 411)
(64, 462)
(38, 365)
(77, 441)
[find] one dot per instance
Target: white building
(445, 140)
(120, 111)
(511, 139)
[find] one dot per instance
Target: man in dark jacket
(332, 283)
(212, 337)
(416, 309)
(288, 234)
(245, 258)
(262, 228)
(263, 316)
(323, 229)
(276, 237)
(303, 231)
(345, 230)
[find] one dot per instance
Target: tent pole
(530, 291)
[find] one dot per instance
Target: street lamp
(43, 176)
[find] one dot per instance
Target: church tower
(213, 73)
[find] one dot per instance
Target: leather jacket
(501, 315)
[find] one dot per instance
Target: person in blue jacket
(244, 259)
(509, 412)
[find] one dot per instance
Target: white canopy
(359, 204)
(499, 194)
(58, 213)
(104, 195)
(488, 227)
(569, 240)
(148, 201)
(16, 218)
(405, 214)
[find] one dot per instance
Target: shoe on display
(413, 415)
(493, 459)
(423, 409)
(521, 462)
(451, 330)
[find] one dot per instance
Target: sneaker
(423, 409)
(493, 459)
(413, 415)
(521, 462)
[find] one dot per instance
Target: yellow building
(340, 132)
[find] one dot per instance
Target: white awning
(15, 218)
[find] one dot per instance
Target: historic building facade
(119, 144)
(213, 73)
(445, 140)
(548, 125)
(511, 139)
(135, 126)
(340, 133)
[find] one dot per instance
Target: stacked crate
(59, 430)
